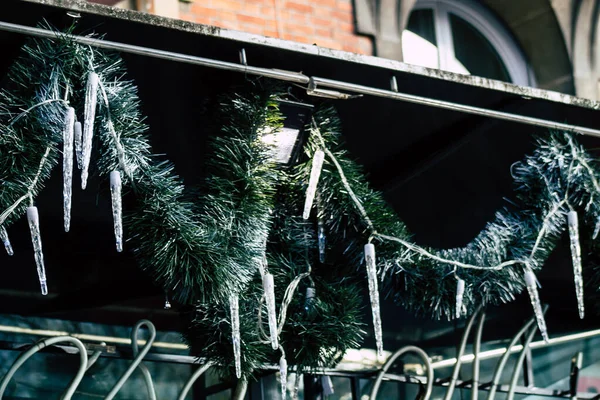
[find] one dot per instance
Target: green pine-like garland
(558, 177)
(202, 249)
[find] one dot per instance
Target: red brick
(344, 6)
(268, 11)
(321, 22)
(302, 8)
(342, 16)
(323, 33)
(300, 29)
(226, 5)
(271, 33)
(200, 19)
(326, 3)
(199, 10)
(250, 20)
(344, 28)
(290, 16)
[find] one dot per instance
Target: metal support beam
(298, 78)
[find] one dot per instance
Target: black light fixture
(287, 142)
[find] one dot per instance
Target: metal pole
(485, 355)
(299, 78)
(447, 105)
(156, 53)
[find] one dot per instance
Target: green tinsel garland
(558, 177)
(179, 242)
(314, 335)
(204, 249)
(199, 249)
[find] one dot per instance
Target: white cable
(83, 362)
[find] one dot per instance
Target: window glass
(462, 36)
(475, 52)
(418, 40)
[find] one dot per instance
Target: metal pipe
(502, 363)
(461, 351)
(390, 362)
(296, 77)
(476, 350)
(447, 105)
(519, 365)
(156, 53)
(486, 355)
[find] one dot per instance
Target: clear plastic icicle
(68, 131)
(234, 307)
(296, 385)
(531, 282)
(283, 366)
(315, 173)
(460, 292)
(115, 196)
(374, 295)
(269, 289)
(6, 241)
(33, 219)
(309, 300)
(78, 138)
(91, 92)
(576, 257)
(327, 385)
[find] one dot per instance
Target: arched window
(462, 36)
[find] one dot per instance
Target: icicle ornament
(33, 219)
(374, 295)
(68, 132)
(309, 300)
(6, 241)
(315, 173)
(460, 292)
(78, 138)
(234, 307)
(573, 223)
(531, 282)
(91, 91)
(296, 385)
(269, 289)
(327, 385)
(117, 209)
(283, 366)
(322, 240)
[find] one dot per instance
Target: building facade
(550, 44)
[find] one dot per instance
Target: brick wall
(328, 23)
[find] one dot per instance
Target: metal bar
(94, 338)
(162, 54)
(447, 105)
(501, 388)
(485, 355)
(299, 78)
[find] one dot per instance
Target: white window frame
(488, 25)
